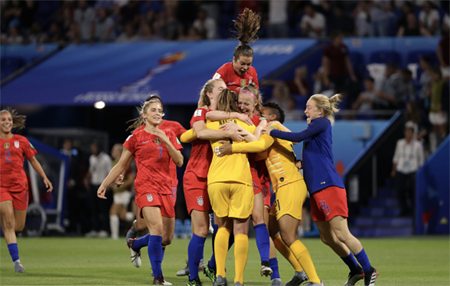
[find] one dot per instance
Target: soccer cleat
(354, 276)
(185, 271)
(135, 255)
(298, 279)
(314, 284)
(277, 282)
(201, 266)
(18, 267)
(131, 233)
(265, 269)
(160, 281)
(220, 281)
(238, 284)
(195, 282)
(370, 277)
(210, 273)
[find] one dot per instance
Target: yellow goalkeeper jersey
(231, 168)
(280, 159)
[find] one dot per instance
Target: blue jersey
(318, 167)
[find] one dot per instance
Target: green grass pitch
(81, 261)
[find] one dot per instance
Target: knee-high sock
(262, 241)
(163, 249)
(114, 225)
(351, 262)
(287, 253)
(304, 258)
(363, 260)
(221, 250)
(13, 251)
(274, 265)
(240, 256)
(141, 242)
(195, 254)
(212, 261)
(155, 254)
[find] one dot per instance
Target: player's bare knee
(202, 231)
(9, 224)
(325, 240)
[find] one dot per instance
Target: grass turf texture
(82, 261)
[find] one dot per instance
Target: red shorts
(329, 203)
(153, 199)
(174, 196)
(257, 187)
(196, 193)
(267, 194)
(17, 194)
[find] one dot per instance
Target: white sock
(114, 224)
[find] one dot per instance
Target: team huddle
(240, 152)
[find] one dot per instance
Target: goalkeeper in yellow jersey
(287, 182)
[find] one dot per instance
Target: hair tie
(248, 92)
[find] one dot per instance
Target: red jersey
(233, 80)
(152, 161)
(201, 153)
(13, 152)
(177, 129)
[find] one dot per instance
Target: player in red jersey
(240, 72)
(166, 125)
(152, 149)
(13, 180)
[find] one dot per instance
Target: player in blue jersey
(328, 196)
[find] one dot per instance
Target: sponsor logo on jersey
(230, 83)
(145, 142)
(16, 144)
(200, 201)
(6, 145)
(158, 141)
(149, 198)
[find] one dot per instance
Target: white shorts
(122, 198)
(438, 118)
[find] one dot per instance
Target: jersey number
(8, 154)
(160, 151)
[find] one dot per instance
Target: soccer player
(231, 196)
(288, 186)
(327, 192)
(240, 72)
(13, 180)
(152, 149)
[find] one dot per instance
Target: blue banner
(125, 74)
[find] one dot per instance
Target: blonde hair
(247, 25)
(227, 101)
(252, 88)
(18, 120)
(328, 105)
(139, 121)
(208, 87)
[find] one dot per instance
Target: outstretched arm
(252, 147)
(114, 173)
(38, 168)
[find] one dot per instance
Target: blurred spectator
(128, 35)
(313, 23)
(99, 166)
(205, 25)
(408, 157)
(443, 55)
(380, 18)
(54, 34)
(321, 81)
(425, 77)
(414, 115)
(411, 28)
(429, 19)
(406, 87)
(388, 94)
(146, 33)
(28, 10)
(64, 18)
(341, 21)
(193, 35)
(278, 19)
(437, 115)
(446, 24)
(336, 63)
(85, 22)
(280, 95)
(366, 99)
(13, 37)
(253, 5)
(406, 8)
(291, 113)
(104, 26)
(150, 5)
(297, 86)
(36, 35)
(361, 14)
(172, 25)
(11, 14)
(129, 14)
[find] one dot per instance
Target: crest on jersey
(6, 145)
(200, 201)
(149, 198)
(16, 144)
(158, 141)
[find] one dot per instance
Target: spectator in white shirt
(429, 19)
(85, 19)
(408, 158)
(278, 18)
(313, 23)
(205, 25)
(104, 26)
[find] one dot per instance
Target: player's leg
(240, 229)
(8, 228)
(200, 225)
(261, 233)
(114, 220)
(221, 248)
